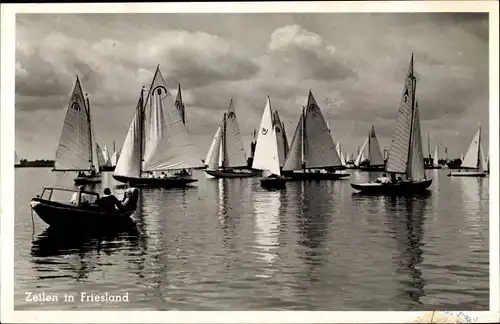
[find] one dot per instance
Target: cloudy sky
(354, 64)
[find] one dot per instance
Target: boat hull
(232, 173)
(299, 176)
(155, 182)
(372, 168)
(467, 174)
(399, 188)
(107, 168)
(65, 216)
(87, 180)
(273, 183)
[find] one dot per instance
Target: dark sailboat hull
(232, 173)
(87, 180)
(155, 182)
(300, 176)
(394, 189)
(107, 168)
(273, 183)
(468, 174)
(65, 216)
(372, 168)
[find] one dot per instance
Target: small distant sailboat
(75, 152)
(226, 156)
(312, 153)
(157, 141)
(405, 155)
(474, 159)
(435, 161)
(375, 160)
(17, 161)
(267, 155)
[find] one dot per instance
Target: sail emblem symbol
(75, 106)
(406, 94)
(264, 131)
(313, 109)
(178, 105)
(278, 130)
(76, 97)
(231, 115)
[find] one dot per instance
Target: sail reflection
(475, 207)
(406, 217)
(267, 207)
(316, 212)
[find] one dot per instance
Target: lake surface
(230, 245)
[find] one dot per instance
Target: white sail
(462, 157)
(361, 155)
(129, 164)
(114, 158)
(320, 149)
(295, 157)
(399, 150)
(342, 159)
(75, 145)
(105, 153)
(266, 155)
(167, 145)
(374, 153)
(100, 157)
(472, 155)
(436, 157)
(234, 155)
(416, 169)
(213, 144)
(16, 158)
(281, 137)
(214, 157)
(338, 148)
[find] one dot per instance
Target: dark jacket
(108, 203)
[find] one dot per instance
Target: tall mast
(370, 147)
(90, 129)
(224, 141)
(302, 134)
(141, 130)
(414, 86)
(479, 149)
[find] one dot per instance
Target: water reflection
(267, 207)
(50, 245)
(406, 220)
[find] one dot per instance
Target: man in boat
(109, 202)
(163, 175)
(92, 171)
(130, 198)
(85, 199)
(384, 179)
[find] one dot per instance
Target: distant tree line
(24, 163)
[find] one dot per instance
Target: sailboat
(312, 153)
(17, 161)
(267, 157)
(474, 159)
(283, 147)
(405, 154)
(75, 152)
(433, 162)
(157, 141)
(226, 156)
(375, 159)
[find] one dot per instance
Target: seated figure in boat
(85, 199)
(92, 171)
(163, 175)
(109, 202)
(81, 174)
(130, 198)
(384, 179)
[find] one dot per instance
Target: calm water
(229, 245)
